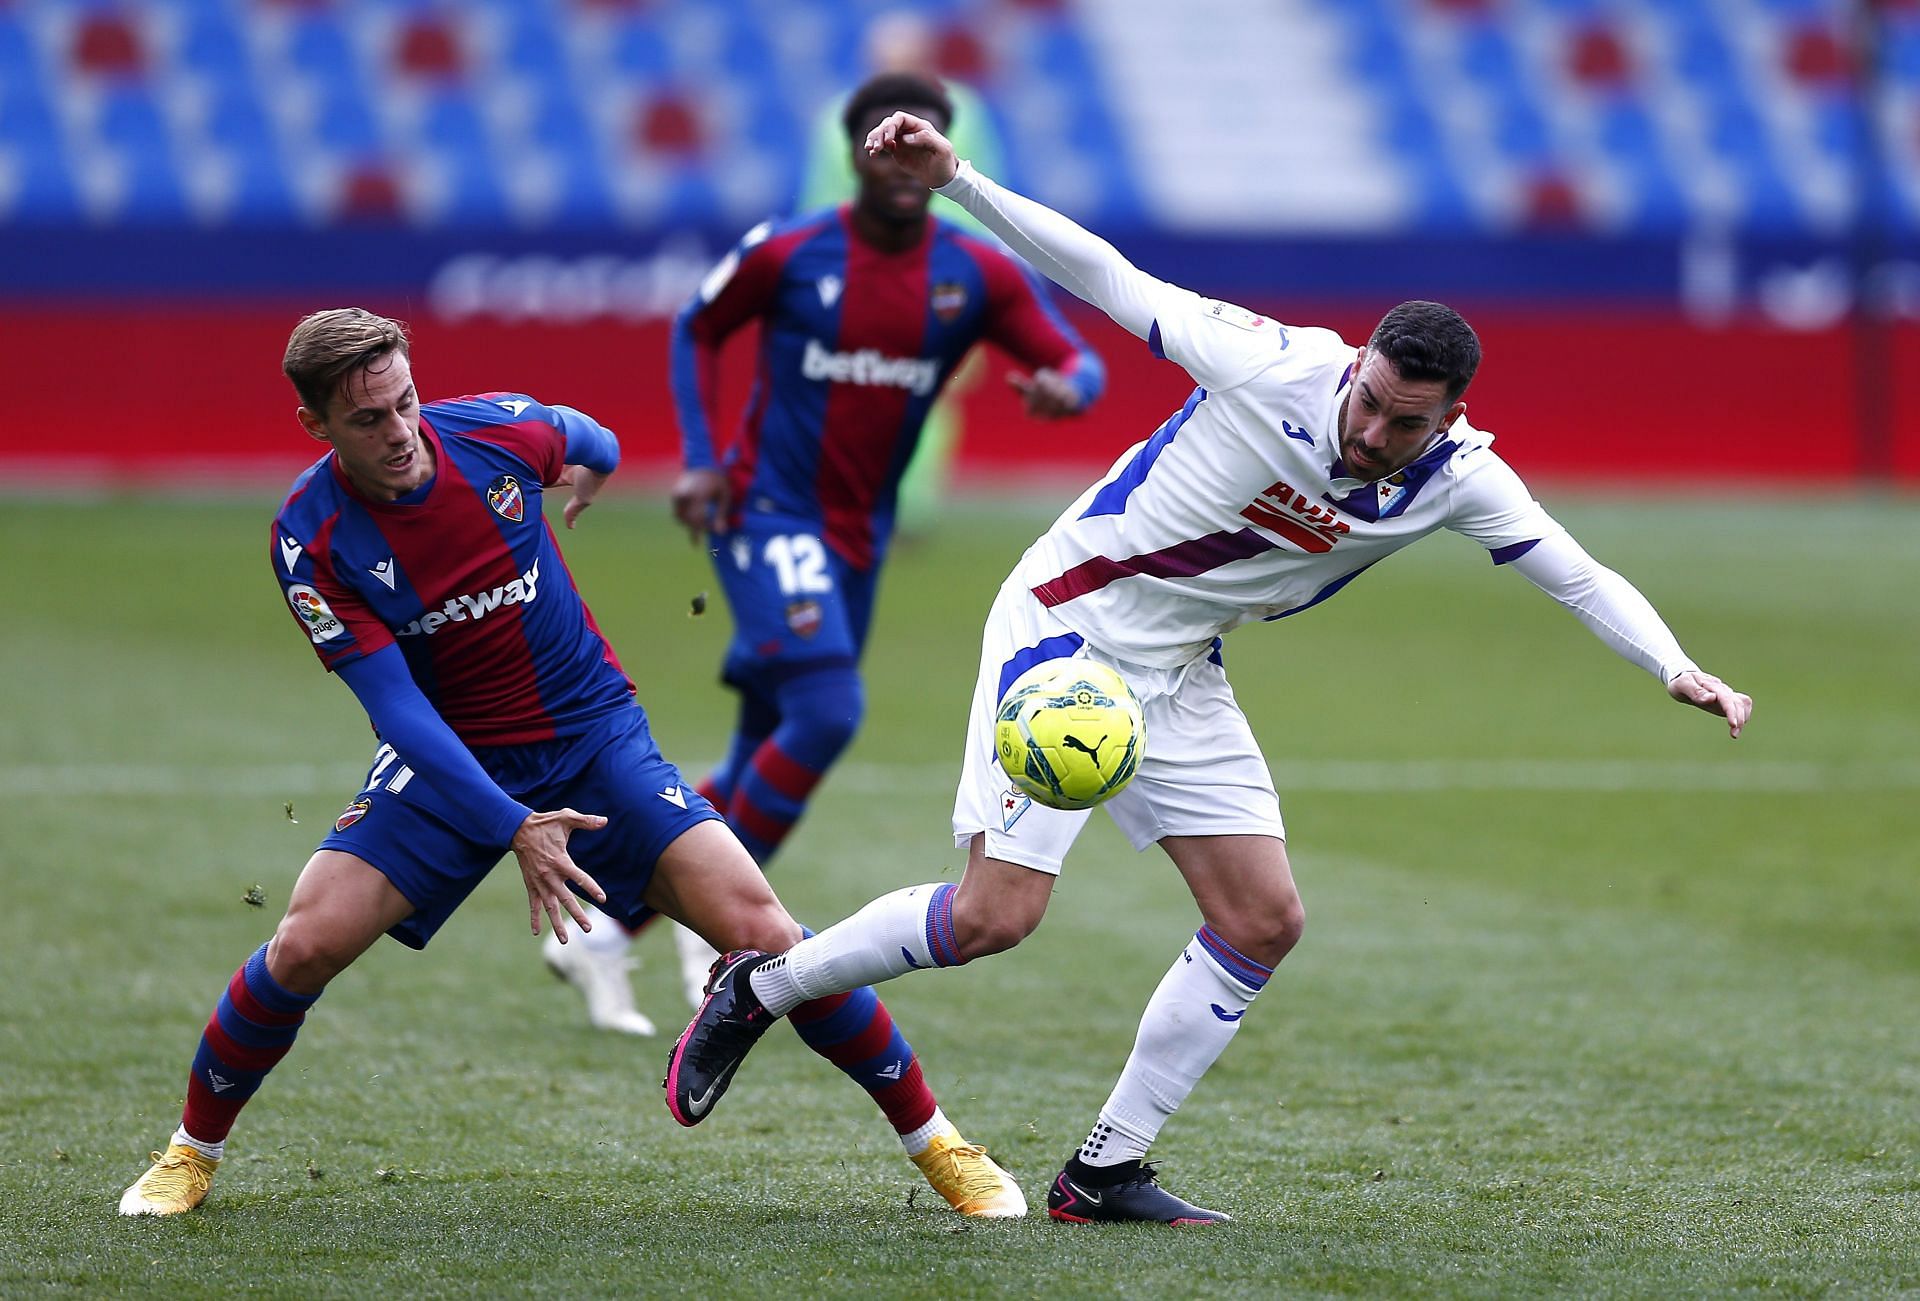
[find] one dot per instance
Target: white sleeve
(1610, 606)
(1068, 254)
(1219, 344)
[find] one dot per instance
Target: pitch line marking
(1604, 776)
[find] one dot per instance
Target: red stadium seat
(370, 194)
(1552, 203)
(1815, 55)
(668, 124)
(106, 44)
(1596, 56)
(959, 54)
(427, 47)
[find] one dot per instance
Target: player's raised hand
(1704, 691)
(917, 145)
(541, 847)
(1047, 394)
(700, 501)
(586, 485)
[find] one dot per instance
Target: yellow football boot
(175, 1182)
(962, 1173)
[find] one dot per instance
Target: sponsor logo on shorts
(353, 813)
(949, 300)
(506, 499)
(322, 624)
(804, 618)
(1013, 804)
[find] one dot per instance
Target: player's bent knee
(768, 929)
(303, 959)
(826, 708)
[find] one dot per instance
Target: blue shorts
(796, 604)
(417, 841)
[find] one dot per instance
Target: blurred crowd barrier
(1688, 230)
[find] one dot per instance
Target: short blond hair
(328, 346)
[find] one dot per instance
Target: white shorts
(1202, 774)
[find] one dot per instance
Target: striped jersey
(463, 573)
(855, 345)
(1238, 507)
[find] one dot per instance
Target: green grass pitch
(1592, 1001)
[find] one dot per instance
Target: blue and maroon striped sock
(855, 1032)
(251, 1029)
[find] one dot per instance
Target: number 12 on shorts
(799, 562)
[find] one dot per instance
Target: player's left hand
(1704, 691)
(917, 145)
(540, 845)
(1048, 394)
(586, 485)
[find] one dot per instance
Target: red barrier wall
(1611, 396)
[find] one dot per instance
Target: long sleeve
(405, 719)
(1068, 254)
(1611, 607)
(737, 290)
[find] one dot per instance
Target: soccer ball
(1069, 733)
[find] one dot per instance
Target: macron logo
(516, 406)
(289, 552)
(870, 368)
(673, 795)
(461, 609)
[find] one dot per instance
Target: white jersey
(1238, 508)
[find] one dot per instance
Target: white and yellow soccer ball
(1069, 733)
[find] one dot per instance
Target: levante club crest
(503, 494)
(949, 300)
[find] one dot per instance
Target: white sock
(1189, 1021)
(918, 1141)
(212, 1151)
(608, 938)
(896, 933)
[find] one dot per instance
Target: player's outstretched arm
(1068, 254)
(1614, 611)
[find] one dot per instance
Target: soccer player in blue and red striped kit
(416, 560)
(864, 311)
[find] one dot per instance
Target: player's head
(1406, 389)
(887, 193)
(353, 372)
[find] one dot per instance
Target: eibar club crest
(949, 300)
(1013, 803)
(353, 813)
(1388, 491)
(504, 495)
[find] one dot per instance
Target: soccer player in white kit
(1297, 463)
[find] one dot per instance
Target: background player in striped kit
(1298, 463)
(864, 311)
(416, 560)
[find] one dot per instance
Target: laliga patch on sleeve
(1236, 316)
(322, 624)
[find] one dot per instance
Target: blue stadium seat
(262, 195)
(44, 193)
(318, 44)
(344, 122)
(27, 118)
(19, 60)
(450, 121)
(213, 44)
(640, 49)
(154, 194)
(130, 119)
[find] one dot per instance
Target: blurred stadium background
(1687, 229)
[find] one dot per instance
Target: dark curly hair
(892, 90)
(1428, 341)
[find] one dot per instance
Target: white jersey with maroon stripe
(1238, 507)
